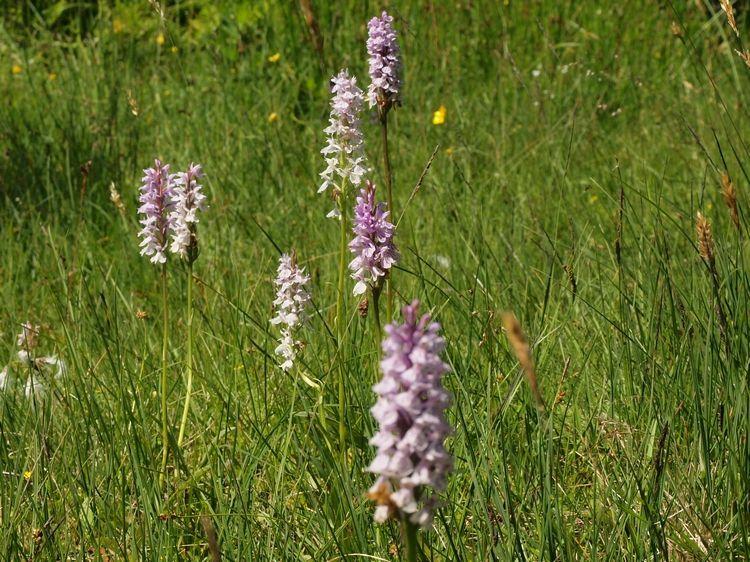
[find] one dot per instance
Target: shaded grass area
(578, 145)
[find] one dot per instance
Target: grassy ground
(580, 140)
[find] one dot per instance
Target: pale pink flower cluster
(344, 152)
(290, 305)
(410, 456)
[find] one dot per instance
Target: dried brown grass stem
(522, 350)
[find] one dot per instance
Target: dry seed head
(571, 278)
(133, 104)
(382, 496)
(705, 238)
(114, 196)
(312, 25)
(213, 543)
(745, 56)
(726, 5)
(362, 308)
(522, 351)
(730, 198)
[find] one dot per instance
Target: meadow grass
(580, 140)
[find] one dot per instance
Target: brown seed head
(745, 56)
(571, 278)
(522, 351)
(115, 197)
(132, 103)
(382, 496)
(726, 5)
(364, 304)
(213, 542)
(705, 238)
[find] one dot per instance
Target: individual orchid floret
(34, 387)
(373, 247)
(290, 306)
(344, 151)
(46, 370)
(156, 206)
(411, 462)
(385, 63)
(4, 378)
(41, 371)
(187, 201)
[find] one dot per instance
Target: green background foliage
(555, 112)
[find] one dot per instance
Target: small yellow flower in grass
(438, 118)
(593, 199)
(117, 25)
(273, 117)
(276, 57)
(16, 69)
(52, 76)
(27, 475)
(174, 49)
(160, 39)
(449, 151)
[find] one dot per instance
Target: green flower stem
(164, 349)
(340, 320)
(189, 367)
(376, 317)
(409, 531)
(389, 196)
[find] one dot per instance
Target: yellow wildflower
(27, 475)
(16, 69)
(438, 118)
(273, 117)
(52, 76)
(174, 49)
(160, 39)
(593, 199)
(276, 57)
(449, 151)
(117, 25)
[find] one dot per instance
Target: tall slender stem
(164, 349)
(389, 195)
(387, 162)
(189, 367)
(409, 532)
(378, 332)
(376, 316)
(340, 319)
